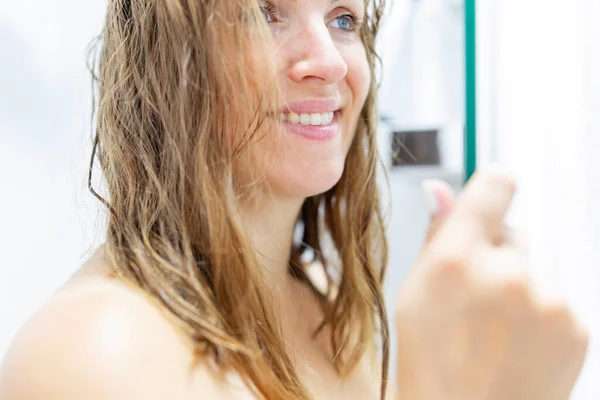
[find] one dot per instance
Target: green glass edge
(470, 135)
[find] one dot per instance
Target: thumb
(440, 198)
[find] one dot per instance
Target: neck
(270, 224)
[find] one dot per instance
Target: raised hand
(471, 323)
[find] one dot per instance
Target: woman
(245, 247)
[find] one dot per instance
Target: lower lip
(320, 133)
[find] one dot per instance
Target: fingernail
(431, 199)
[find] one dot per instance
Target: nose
(314, 57)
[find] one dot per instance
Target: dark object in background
(415, 147)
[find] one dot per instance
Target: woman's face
(325, 79)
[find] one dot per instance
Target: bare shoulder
(101, 339)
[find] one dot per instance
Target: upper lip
(315, 105)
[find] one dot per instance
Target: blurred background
(538, 113)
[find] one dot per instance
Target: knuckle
(449, 256)
(556, 315)
(515, 286)
(556, 309)
(515, 291)
(450, 264)
(558, 318)
(447, 275)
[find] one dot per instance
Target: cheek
(358, 78)
(358, 81)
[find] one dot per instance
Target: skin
(317, 59)
(91, 339)
(472, 324)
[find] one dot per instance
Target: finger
(479, 212)
(440, 198)
(517, 238)
(503, 265)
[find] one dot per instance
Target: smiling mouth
(314, 119)
(316, 127)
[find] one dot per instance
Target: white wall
(46, 217)
(540, 115)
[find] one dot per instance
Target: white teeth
(305, 119)
(293, 118)
(315, 119)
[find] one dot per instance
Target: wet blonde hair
(182, 91)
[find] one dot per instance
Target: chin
(292, 181)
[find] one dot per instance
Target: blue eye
(345, 22)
